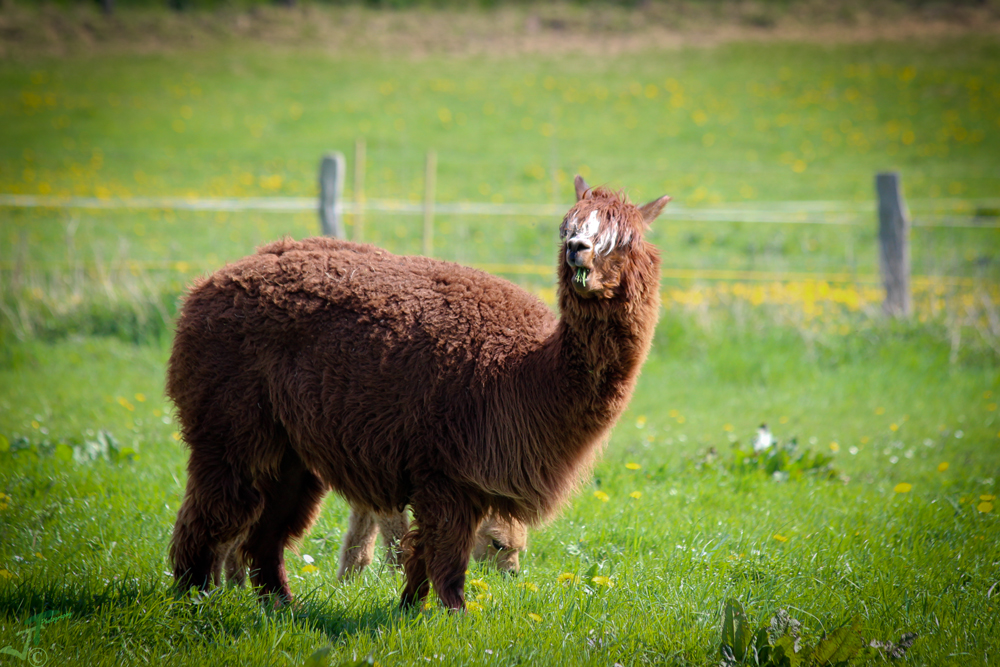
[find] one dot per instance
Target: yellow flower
(567, 576)
(603, 581)
(480, 584)
(473, 606)
(603, 497)
(125, 404)
(528, 586)
(6, 574)
(780, 537)
(728, 428)
(635, 494)
(535, 617)
(942, 466)
(902, 487)
(309, 569)
(176, 435)
(893, 427)
(834, 447)
(880, 410)
(985, 507)
(865, 439)
(141, 398)
(632, 466)
(641, 421)
(987, 498)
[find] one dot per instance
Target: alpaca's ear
(652, 210)
(581, 187)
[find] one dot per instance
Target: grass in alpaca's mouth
(580, 277)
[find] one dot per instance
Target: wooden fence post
(331, 194)
(430, 178)
(359, 190)
(894, 244)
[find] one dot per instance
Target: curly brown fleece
(399, 381)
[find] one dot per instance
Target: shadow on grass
(133, 606)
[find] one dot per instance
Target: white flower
(307, 558)
(763, 441)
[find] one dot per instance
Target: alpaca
(398, 381)
(499, 542)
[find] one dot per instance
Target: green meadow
(875, 517)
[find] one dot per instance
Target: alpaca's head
(601, 235)
(500, 542)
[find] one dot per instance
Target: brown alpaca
(401, 381)
(499, 542)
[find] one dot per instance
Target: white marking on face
(606, 242)
(589, 229)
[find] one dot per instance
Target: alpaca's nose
(578, 250)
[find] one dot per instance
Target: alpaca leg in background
(236, 568)
(219, 505)
(393, 527)
(291, 503)
(358, 549)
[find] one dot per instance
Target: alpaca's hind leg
(219, 504)
(358, 549)
(291, 503)
(438, 550)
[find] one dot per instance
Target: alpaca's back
(376, 366)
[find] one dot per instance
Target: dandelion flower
(6, 574)
(528, 586)
(176, 435)
(780, 537)
(985, 507)
(480, 584)
(535, 617)
(567, 577)
(141, 398)
(834, 447)
(635, 494)
(632, 466)
(902, 487)
(942, 466)
(473, 606)
(988, 498)
(641, 421)
(727, 428)
(601, 580)
(309, 569)
(894, 427)
(603, 497)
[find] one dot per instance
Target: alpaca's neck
(596, 353)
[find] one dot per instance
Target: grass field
(888, 523)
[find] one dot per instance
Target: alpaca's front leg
(439, 549)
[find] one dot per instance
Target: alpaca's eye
(498, 546)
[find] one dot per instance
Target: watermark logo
(36, 657)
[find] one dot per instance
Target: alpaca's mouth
(580, 277)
